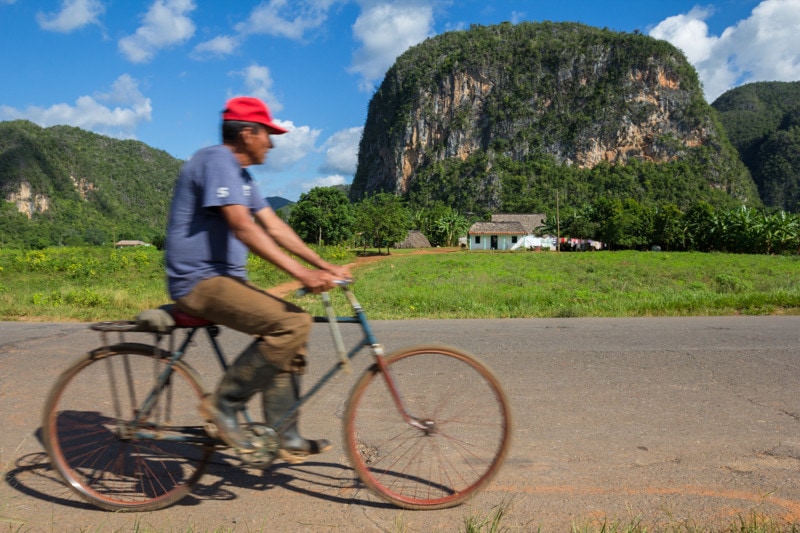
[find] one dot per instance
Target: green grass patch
(87, 284)
(93, 283)
(602, 284)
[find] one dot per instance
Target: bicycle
(426, 427)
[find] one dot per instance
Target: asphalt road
(656, 421)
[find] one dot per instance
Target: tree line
(627, 224)
(326, 216)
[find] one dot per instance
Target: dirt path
(287, 288)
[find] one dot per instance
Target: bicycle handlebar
(343, 283)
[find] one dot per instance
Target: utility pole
(558, 226)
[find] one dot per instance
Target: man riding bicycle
(216, 218)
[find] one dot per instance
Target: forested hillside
(763, 123)
(63, 185)
(501, 118)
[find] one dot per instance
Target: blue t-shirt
(200, 244)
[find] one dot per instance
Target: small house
(414, 239)
(495, 235)
(503, 232)
(530, 222)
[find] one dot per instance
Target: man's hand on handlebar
(317, 281)
(341, 272)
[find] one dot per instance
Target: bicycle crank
(267, 443)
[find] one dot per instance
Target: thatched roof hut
(497, 228)
(414, 239)
(529, 222)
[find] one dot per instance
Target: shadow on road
(33, 476)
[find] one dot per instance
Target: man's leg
(277, 400)
(282, 326)
(283, 329)
(249, 374)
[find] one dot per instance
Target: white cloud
(258, 81)
(386, 31)
(688, 32)
(762, 47)
(281, 18)
(291, 147)
(165, 24)
(326, 181)
(74, 14)
(116, 113)
(221, 46)
(276, 18)
(341, 152)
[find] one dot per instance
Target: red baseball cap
(249, 109)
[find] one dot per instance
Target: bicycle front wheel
(105, 450)
(466, 435)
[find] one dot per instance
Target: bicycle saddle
(166, 318)
(185, 320)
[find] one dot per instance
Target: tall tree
(669, 228)
(383, 220)
(323, 215)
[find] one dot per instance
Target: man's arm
(264, 245)
(286, 237)
(268, 241)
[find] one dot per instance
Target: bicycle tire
(83, 429)
(416, 469)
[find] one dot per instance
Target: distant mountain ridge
(495, 119)
(763, 122)
(63, 185)
(277, 202)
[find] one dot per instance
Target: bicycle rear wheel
(468, 422)
(89, 433)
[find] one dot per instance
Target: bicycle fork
(427, 426)
(343, 364)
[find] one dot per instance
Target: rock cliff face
(576, 94)
(27, 202)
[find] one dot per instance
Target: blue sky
(160, 71)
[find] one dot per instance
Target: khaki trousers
(283, 327)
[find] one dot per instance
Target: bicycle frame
(344, 356)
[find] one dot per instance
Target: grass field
(88, 284)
